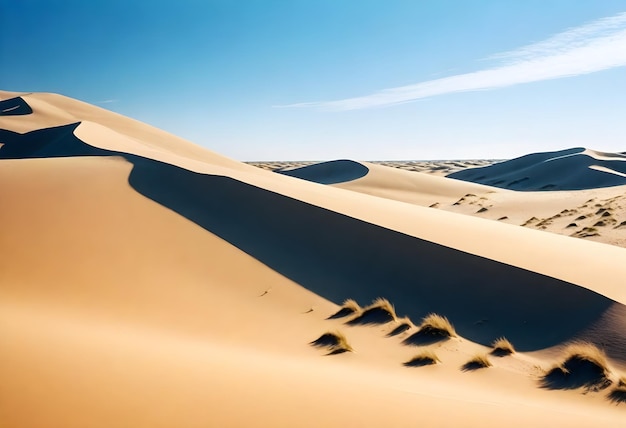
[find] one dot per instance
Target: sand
(146, 281)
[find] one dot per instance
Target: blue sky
(328, 79)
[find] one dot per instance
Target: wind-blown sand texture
(146, 281)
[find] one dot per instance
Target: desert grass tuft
(348, 307)
(381, 311)
(583, 365)
(438, 322)
(478, 361)
(433, 328)
(425, 358)
(618, 394)
(502, 347)
(335, 341)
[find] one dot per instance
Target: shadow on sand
(14, 107)
(340, 257)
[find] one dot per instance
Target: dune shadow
(337, 351)
(14, 107)
(471, 366)
(341, 313)
(332, 172)
(326, 339)
(425, 337)
(419, 362)
(399, 329)
(359, 259)
(372, 316)
(579, 374)
(548, 171)
(340, 257)
(58, 141)
(500, 352)
(617, 396)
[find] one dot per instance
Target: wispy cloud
(107, 101)
(596, 46)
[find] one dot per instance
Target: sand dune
(386, 182)
(596, 214)
(146, 281)
(332, 172)
(571, 169)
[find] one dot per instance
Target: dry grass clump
(425, 358)
(404, 324)
(433, 328)
(438, 322)
(379, 312)
(502, 347)
(583, 365)
(478, 361)
(618, 394)
(348, 307)
(335, 341)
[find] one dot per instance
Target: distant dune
(146, 281)
(572, 169)
(332, 172)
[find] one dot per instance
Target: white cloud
(106, 101)
(599, 45)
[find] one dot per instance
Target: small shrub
(425, 358)
(348, 307)
(502, 347)
(336, 342)
(434, 328)
(379, 312)
(583, 365)
(479, 361)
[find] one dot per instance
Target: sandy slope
(148, 282)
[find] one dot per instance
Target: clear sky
(328, 79)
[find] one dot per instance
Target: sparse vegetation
(379, 312)
(586, 232)
(424, 358)
(433, 328)
(335, 341)
(502, 347)
(530, 220)
(478, 361)
(438, 323)
(583, 365)
(348, 307)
